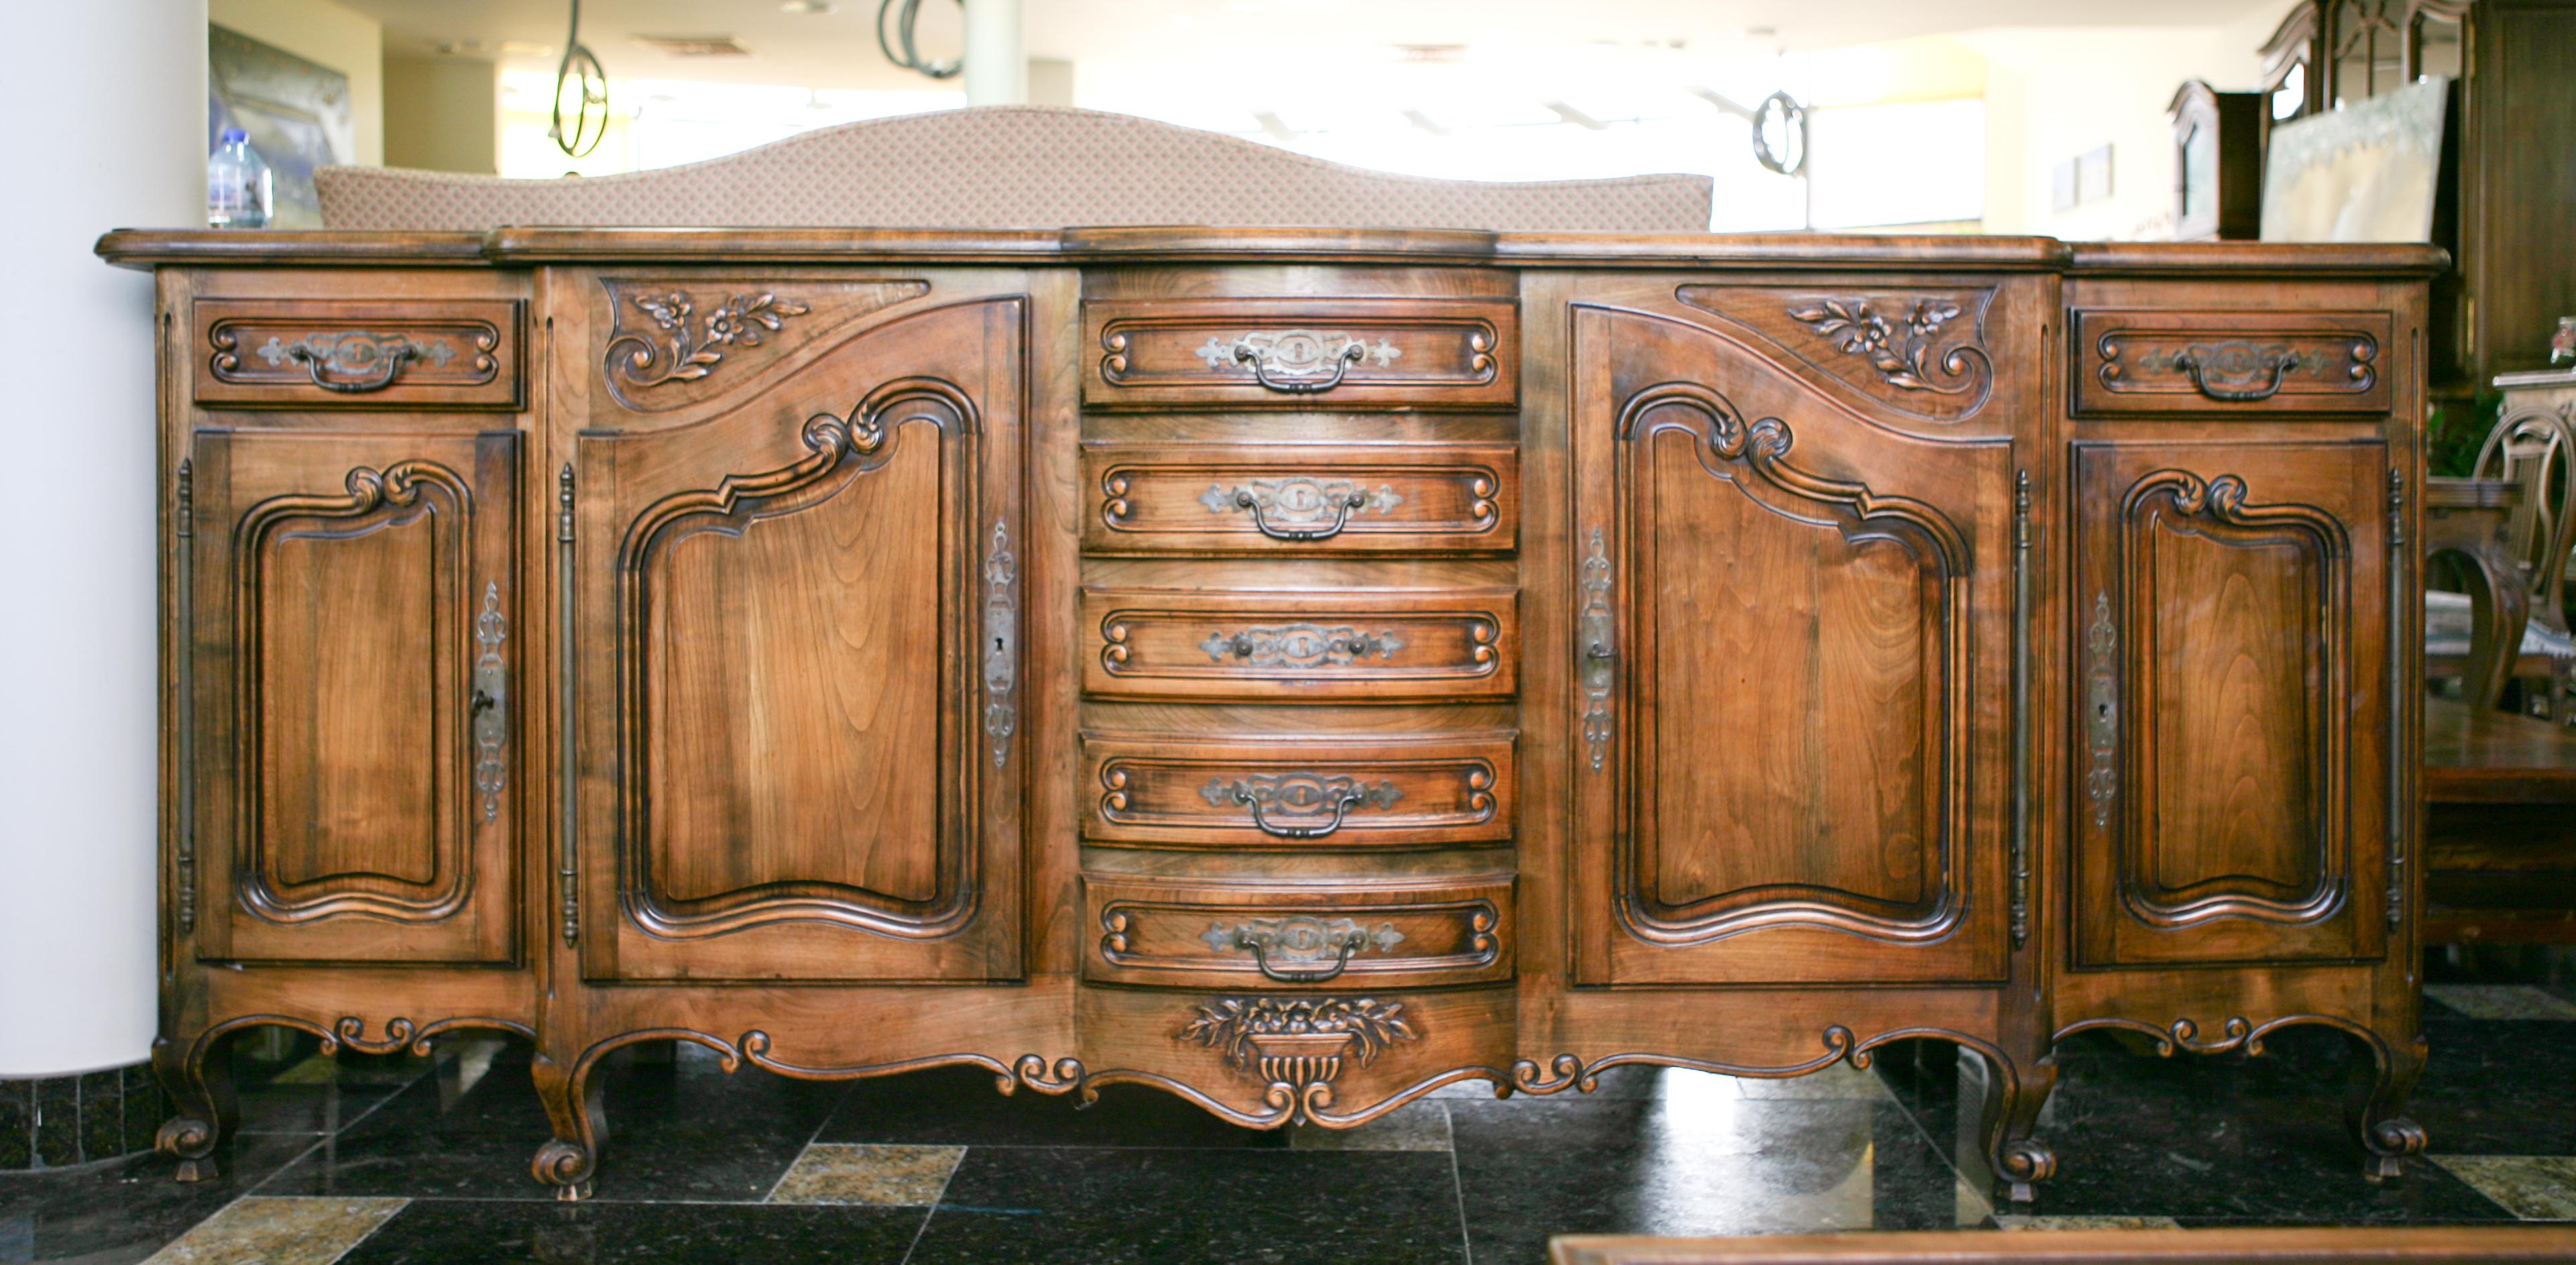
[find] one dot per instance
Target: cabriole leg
(197, 1074)
(2014, 1095)
(567, 1161)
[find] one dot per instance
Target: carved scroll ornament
(689, 347)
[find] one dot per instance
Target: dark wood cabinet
(1296, 672)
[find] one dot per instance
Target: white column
(997, 67)
(110, 101)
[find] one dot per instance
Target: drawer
(1408, 933)
(1304, 498)
(1301, 352)
(362, 353)
(1328, 646)
(1303, 793)
(2145, 362)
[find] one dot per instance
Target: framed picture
(2364, 173)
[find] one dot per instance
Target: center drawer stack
(1300, 612)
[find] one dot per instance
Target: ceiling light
(695, 45)
(809, 8)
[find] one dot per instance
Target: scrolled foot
(566, 1166)
(2389, 1142)
(2023, 1163)
(191, 1142)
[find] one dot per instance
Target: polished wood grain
(324, 353)
(2306, 1245)
(886, 687)
(2163, 362)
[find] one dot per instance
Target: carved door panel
(799, 671)
(1794, 645)
(2232, 702)
(352, 604)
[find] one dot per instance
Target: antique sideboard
(1295, 669)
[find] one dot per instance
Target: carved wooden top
(522, 247)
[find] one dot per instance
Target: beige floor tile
(2532, 1187)
(264, 1231)
(2012, 1222)
(880, 1176)
(2501, 1001)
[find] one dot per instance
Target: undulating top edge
(520, 247)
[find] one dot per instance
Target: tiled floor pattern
(377, 1161)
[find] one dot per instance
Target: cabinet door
(1794, 633)
(2232, 705)
(353, 602)
(799, 668)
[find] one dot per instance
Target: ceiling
(1213, 40)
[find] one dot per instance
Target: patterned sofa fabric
(1009, 167)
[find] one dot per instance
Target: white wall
(112, 98)
(2053, 93)
(443, 114)
(319, 31)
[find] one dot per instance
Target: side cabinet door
(2232, 702)
(799, 664)
(353, 621)
(1794, 636)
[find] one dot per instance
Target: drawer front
(1302, 499)
(1299, 793)
(1301, 352)
(326, 353)
(2166, 361)
(1320, 647)
(1248, 935)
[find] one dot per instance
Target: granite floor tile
(2532, 1187)
(1416, 1126)
(17, 1125)
(2227, 1139)
(2498, 1087)
(2500, 1001)
(1700, 1160)
(464, 1232)
(261, 1231)
(877, 1176)
(959, 1107)
(123, 1211)
(681, 1129)
(1134, 1205)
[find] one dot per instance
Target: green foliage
(2452, 435)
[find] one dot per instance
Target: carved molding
(2222, 511)
(1759, 450)
(1919, 352)
(393, 496)
(1298, 1041)
(490, 703)
(863, 441)
(683, 346)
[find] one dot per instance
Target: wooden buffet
(1295, 669)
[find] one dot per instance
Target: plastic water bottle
(239, 191)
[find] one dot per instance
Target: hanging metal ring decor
(901, 50)
(1780, 134)
(580, 67)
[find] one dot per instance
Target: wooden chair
(2499, 827)
(2535, 451)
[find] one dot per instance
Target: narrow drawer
(1301, 352)
(1307, 793)
(2147, 362)
(1302, 499)
(359, 353)
(1318, 647)
(1393, 935)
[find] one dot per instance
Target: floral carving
(1901, 352)
(1237, 1026)
(688, 347)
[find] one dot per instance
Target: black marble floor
(371, 1161)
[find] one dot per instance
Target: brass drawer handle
(2281, 364)
(1301, 646)
(1342, 507)
(1314, 951)
(1342, 799)
(394, 353)
(1261, 361)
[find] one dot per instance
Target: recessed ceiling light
(811, 8)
